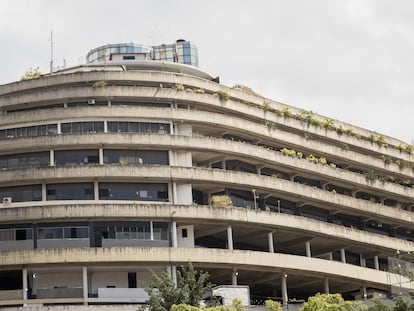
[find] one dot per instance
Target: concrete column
(51, 157)
(96, 190)
(229, 238)
(152, 231)
(376, 263)
(223, 164)
(174, 192)
(343, 256)
(259, 171)
(44, 192)
(105, 126)
(174, 234)
(109, 103)
(283, 281)
(308, 249)
(234, 277)
(101, 156)
(174, 275)
(25, 286)
(364, 292)
(85, 285)
(326, 286)
(362, 261)
(271, 245)
(330, 256)
(59, 128)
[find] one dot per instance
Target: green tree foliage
(191, 286)
(273, 305)
(335, 302)
(378, 306)
(31, 73)
(236, 306)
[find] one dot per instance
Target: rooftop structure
(122, 165)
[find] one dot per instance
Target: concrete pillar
(174, 192)
(223, 164)
(234, 277)
(364, 292)
(95, 190)
(229, 238)
(283, 281)
(51, 157)
(59, 128)
(44, 192)
(326, 286)
(362, 261)
(174, 239)
(308, 249)
(105, 126)
(271, 245)
(376, 263)
(25, 286)
(101, 156)
(152, 231)
(174, 275)
(343, 256)
(85, 285)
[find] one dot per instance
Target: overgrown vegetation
(192, 285)
(331, 302)
(31, 73)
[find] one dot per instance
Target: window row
(82, 157)
(85, 128)
(141, 230)
(85, 191)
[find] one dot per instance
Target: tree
(272, 305)
(378, 306)
(31, 73)
(335, 302)
(191, 286)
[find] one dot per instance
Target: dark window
(184, 233)
(74, 191)
(128, 57)
(132, 280)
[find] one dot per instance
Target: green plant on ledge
(179, 87)
(222, 95)
(100, 84)
(387, 159)
(285, 112)
(328, 124)
(266, 106)
(221, 200)
(370, 176)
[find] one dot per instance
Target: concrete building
(134, 162)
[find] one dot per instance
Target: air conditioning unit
(91, 102)
(7, 200)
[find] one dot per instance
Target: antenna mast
(51, 51)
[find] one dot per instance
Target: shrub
(179, 87)
(273, 305)
(222, 95)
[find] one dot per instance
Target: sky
(350, 60)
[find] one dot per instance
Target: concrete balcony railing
(217, 120)
(172, 79)
(263, 184)
(216, 146)
(52, 211)
(256, 261)
(231, 106)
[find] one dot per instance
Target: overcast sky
(351, 60)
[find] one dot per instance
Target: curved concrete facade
(108, 173)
